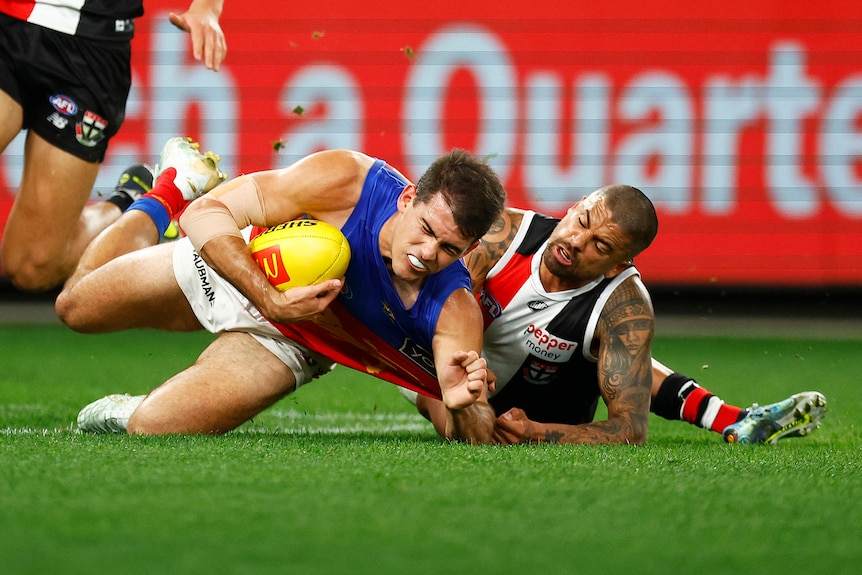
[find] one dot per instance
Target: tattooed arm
(492, 246)
(624, 336)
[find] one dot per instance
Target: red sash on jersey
(499, 290)
(340, 337)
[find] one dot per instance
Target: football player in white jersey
(567, 320)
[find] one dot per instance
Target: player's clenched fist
(464, 379)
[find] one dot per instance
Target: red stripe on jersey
(342, 338)
(504, 285)
(256, 231)
(17, 9)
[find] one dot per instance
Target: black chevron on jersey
(540, 229)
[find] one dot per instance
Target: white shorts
(409, 394)
(220, 307)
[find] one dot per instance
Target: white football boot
(197, 173)
(110, 414)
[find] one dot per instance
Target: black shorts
(73, 90)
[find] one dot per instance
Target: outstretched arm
(624, 332)
(462, 373)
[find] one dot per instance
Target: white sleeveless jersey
(538, 343)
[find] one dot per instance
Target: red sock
(727, 415)
(706, 410)
(166, 192)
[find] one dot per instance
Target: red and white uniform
(536, 342)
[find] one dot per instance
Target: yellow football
(301, 253)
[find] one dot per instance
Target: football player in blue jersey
(403, 312)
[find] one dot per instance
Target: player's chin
(411, 270)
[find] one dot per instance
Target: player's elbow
(627, 430)
(637, 432)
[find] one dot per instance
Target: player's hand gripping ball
(301, 253)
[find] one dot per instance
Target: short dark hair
(635, 214)
(470, 187)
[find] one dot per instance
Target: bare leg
(125, 280)
(49, 227)
(233, 380)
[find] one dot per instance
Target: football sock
(682, 398)
(163, 203)
(136, 181)
(120, 199)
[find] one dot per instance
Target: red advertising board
(741, 120)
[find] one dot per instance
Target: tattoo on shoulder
(626, 328)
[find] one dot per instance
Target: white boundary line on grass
(295, 422)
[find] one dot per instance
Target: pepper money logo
(546, 354)
(546, 345)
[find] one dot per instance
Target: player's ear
(471, 248)
(406, 198)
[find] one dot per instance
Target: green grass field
(343, 477)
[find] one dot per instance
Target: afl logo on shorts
(64, 104)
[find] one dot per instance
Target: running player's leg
(47, 231)
(70, 96)
(13, 119)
